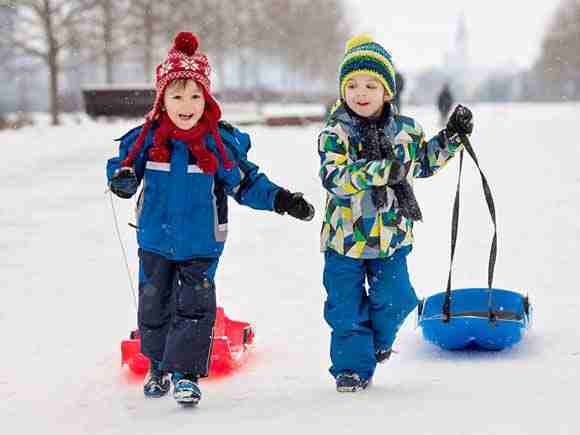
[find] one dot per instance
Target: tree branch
(30, 50)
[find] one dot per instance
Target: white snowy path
(66, 302)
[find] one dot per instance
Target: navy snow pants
(364, 322)
(177, 309)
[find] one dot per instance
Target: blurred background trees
(45, 32)
(259, 49)
(555, 76)
(255, 46)
(558, 67)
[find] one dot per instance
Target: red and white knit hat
(183, 62)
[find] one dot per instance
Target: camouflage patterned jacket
(352, 225)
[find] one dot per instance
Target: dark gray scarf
(377, 146)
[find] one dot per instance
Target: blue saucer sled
(474, 318)
(471, 325)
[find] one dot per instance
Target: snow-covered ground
(67, 304)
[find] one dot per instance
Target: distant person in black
(400, 81)
(444, 103)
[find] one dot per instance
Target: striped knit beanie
(363, 55)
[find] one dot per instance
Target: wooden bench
(118, 101)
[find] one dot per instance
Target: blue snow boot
(157, 382)
(185, 389)
(350, 383)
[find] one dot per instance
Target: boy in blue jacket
(188, 161)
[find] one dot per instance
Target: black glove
(460, 121)
(124, 183)
(294, 204)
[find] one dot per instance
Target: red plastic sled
(231, 342)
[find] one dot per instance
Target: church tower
(456, 66)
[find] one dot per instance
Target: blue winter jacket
(182, 213)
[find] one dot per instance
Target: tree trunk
(242, 71)
(52, 61)
(108, 40)
(53, 91)
(148, 47)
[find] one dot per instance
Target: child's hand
(294, 204)
(460, 121)
(124, 183)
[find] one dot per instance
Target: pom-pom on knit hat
(364, 55)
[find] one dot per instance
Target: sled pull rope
(454, 225)
(123, 250)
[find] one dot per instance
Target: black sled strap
(454, 226)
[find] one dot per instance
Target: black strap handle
(454, 225)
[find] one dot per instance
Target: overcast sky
(502, 33)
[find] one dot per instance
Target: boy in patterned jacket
(370, 157)
(188, 161)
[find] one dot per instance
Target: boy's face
(184, 104)
(364, 95)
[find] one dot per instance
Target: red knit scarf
(160, 152)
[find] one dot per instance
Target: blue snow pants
(364, 322)
(177, 310)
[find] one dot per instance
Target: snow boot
(157, 382)
(350, 383)
(185, 389)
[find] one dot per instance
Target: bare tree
(217, 34)
(145, 24)
(43, 31)
(299, 39)
(7, 23)
(559, 64)
(104, 31)
(210, 20)
(7, 20)
(244, 30)
(309, 38)
(329, 44)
